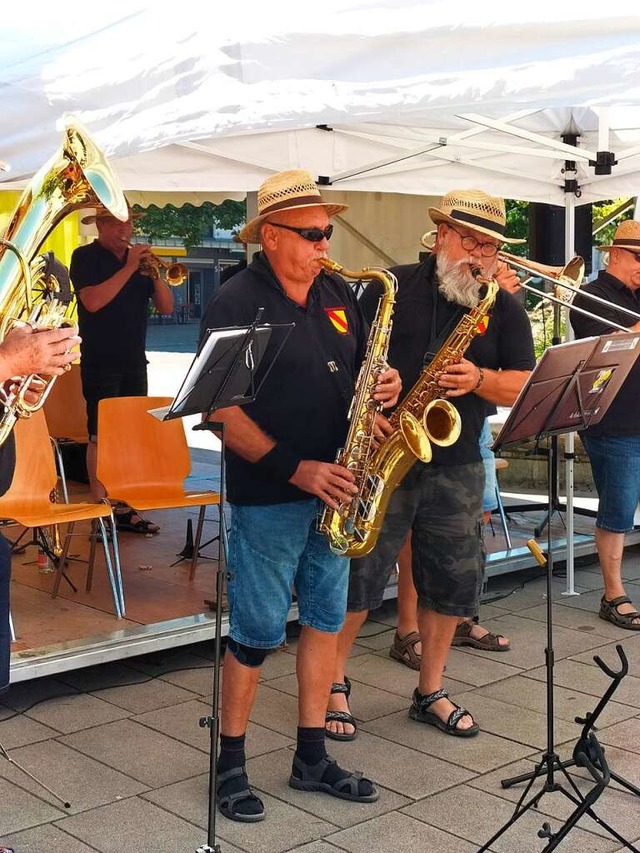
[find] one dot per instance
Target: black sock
(310, 748)
(231, 753)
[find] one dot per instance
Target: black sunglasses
(635, 254)
(313, 235)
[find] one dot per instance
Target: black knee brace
(247, 655)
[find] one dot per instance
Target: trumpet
(568, 277)
(174, 274)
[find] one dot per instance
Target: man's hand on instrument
(330, 482)
(137, 253)
(45, 351)
(31, 395)
(388, 387)
(381, 428)
(459, 378)
(507, 277)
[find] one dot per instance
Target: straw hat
(476, 210)
(627, 236)
(287, 190)
(102, 212)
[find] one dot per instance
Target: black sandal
(124, 522)
(419, 712)
(610, 613)
(341, 716)
(308, 777)
(227, 802)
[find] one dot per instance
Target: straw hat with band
(289, 190)
(104, 213)
(476, 210)
(627, 236)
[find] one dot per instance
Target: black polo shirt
(623, 415)
(304, 400)
(7, 463)
(115, 336)
(422, 321)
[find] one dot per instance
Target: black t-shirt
(507, 344)
(305, 397)
(114, 336)
(623, 415)
(7, 463)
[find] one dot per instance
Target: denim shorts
(615, 464)
(489, 501)
(442, 507)
(271, 548)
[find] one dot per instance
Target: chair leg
(503, 518)
(92, 553)
(196, 544)
(116, 585)
(62, 560)
(12, 632)
(61, 471)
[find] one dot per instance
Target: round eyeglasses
(469, 244)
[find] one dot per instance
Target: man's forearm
(242, 435)
(96, 296)
(501, 387)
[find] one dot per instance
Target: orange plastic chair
(66, 412)
(144, 462)
(28, 502)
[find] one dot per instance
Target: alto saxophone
(423, 418)
(347, 524)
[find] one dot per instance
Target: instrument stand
(223, 374)
(40, 539)
(552, 403)
(5, 754)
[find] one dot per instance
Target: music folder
(223, 368)
(571, 387)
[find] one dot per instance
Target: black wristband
(280, 461)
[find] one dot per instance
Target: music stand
(222, 374)
(570, 389)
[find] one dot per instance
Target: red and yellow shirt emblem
(338, 317)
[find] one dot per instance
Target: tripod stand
(552, 403)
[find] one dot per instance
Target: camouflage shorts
(442, 507)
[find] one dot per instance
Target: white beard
(455, 281)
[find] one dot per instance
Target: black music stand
(570, 389)
(222, 374)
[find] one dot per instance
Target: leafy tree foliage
(189, 223)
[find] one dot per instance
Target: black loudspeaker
(546, 234)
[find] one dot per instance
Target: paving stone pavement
(122, 743)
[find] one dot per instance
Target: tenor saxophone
(423, 418)
(347, 524)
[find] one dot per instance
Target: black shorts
(98, 384)
(442, 507)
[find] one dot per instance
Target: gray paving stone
(378, 642)
(518, 724)
(133, 824)
(169, 661)
(19, 730)
(182, 723)
(104, 675)
(396, 832)
(27, 694)
(568, 703)
(152, 694)
(315, 847)
(20, 809)
(276, 710)
(80, 711)
(146, 755)
(481, 668)
(82, 781)
(283, 827)
(198, 681)
(626, 735)
(367, 703)
(592, 680)
(379, 671)
(631, 646)
(479, 815)
(586, 621)
(45, 839)
(480, 753)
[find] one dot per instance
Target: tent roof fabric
(390, 96)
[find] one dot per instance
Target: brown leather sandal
(404, 649)
(489, 643)
(609, 611)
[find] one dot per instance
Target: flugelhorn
(174, 274)
(568, 276)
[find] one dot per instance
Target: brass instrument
(423, 418)
(77, 176)
(568, 277)
(174, 274)
(345, 526)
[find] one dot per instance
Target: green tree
(189, 223)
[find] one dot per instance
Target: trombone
(569, 276)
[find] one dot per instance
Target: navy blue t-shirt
(304, 400)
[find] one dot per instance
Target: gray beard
(456, 283)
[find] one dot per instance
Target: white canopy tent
(371, 95)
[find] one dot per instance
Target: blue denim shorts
(271, 548)
(615, 464)
(489, 502)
